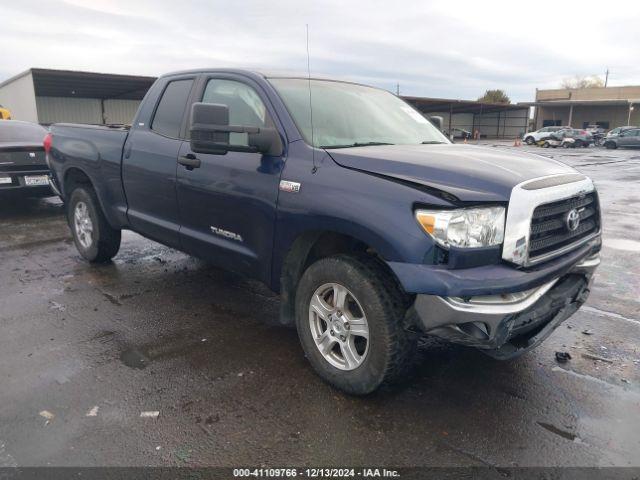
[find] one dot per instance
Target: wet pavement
(84, 350)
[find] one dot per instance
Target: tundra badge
(227, 234)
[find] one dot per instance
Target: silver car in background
(532, 137)
(630, 137)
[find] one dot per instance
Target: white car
(532, 137)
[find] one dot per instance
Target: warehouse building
(49, 96)
(609, 107)
(491, 120)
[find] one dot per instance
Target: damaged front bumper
(506, 325)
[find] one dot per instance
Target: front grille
(549, 229)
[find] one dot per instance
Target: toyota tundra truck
(371, 225)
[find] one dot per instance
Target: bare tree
(583, 82)
(495, 96)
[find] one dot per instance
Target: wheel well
(74, 177)
(309, 248)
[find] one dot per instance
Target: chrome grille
(549, 227)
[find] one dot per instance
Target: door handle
(190, 161)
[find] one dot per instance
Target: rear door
(228, 204)
(150, 161)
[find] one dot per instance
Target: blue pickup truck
(372, 226)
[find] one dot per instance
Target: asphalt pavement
(161, 359)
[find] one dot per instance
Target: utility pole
(606, 77)
(398, 89)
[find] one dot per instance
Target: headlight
(464, 228)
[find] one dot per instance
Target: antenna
(313, 144)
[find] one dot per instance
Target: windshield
(348, 115)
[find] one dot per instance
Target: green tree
(495, 96)
(582, 82)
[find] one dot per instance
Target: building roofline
(36, 71)
(566, 103)
(586, 88)
(15, 77)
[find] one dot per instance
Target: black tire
(104, 239)
(610, 145)
(546, 145)
(578, 143)
(391, 348)
(529, 141)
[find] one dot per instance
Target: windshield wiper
(432, 142)
(357, 144)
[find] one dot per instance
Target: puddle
(141, 356)
(134, 358)
(623, 244)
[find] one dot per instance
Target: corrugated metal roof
(67, 83)
(70, 83)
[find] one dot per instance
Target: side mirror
(210, 129)
(437, 121)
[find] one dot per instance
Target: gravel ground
(84, 350)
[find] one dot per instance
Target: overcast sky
(452, 49)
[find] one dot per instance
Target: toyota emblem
(572, 221)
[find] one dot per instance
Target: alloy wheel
(339, 326)
(83, 224)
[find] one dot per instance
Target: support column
(570, 115)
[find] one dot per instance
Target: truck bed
(97, 151)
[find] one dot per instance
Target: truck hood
(470, 173)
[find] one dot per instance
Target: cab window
(168, 117)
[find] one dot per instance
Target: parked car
(552, 142)
(595, 129)
(533, 137)
(581, 138)
(372, 226)
(23, 169)
(459, 133)
(626, 138)
(616, 131)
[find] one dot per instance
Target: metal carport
(493, 120)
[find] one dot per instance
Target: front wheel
(349, 316)
(95, 239)
(529, 141)
(610, 145)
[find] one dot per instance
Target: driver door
(227, 205)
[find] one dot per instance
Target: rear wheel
(546, 145)
(578, 143)
(611, 145)
(529, 141)
(95, 239)
(349, 316)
